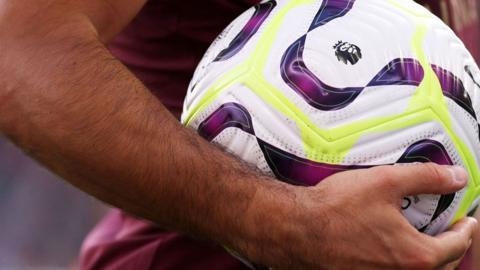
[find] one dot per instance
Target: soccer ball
(304, 89)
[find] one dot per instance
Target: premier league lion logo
(347, 52)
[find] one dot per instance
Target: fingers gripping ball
(305, 89)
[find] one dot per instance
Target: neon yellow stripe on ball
(430, 89)
(242, 72)
(427, 104)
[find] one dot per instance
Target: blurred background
(43, 220)
(463, 17)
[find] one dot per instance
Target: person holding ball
(106, 121)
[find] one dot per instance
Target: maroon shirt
(162, 47)
(463, 17)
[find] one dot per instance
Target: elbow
(32, 24)
(36, 49)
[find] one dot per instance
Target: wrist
(271, 224)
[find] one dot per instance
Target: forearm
(71, 105)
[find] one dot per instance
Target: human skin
(66, 101)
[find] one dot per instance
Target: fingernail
(474, 221)
(459, 174)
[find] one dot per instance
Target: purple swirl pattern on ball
(300, 171)
(227, 115)
(261, 13)
(453, 88)
(426, 151)
(286, 166)
(400, 71)
(324, 97)
(315, 92)
(330, 10)
(328, 98)
(292, 169)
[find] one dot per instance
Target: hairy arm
(66, 101)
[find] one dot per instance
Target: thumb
(422, 178)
